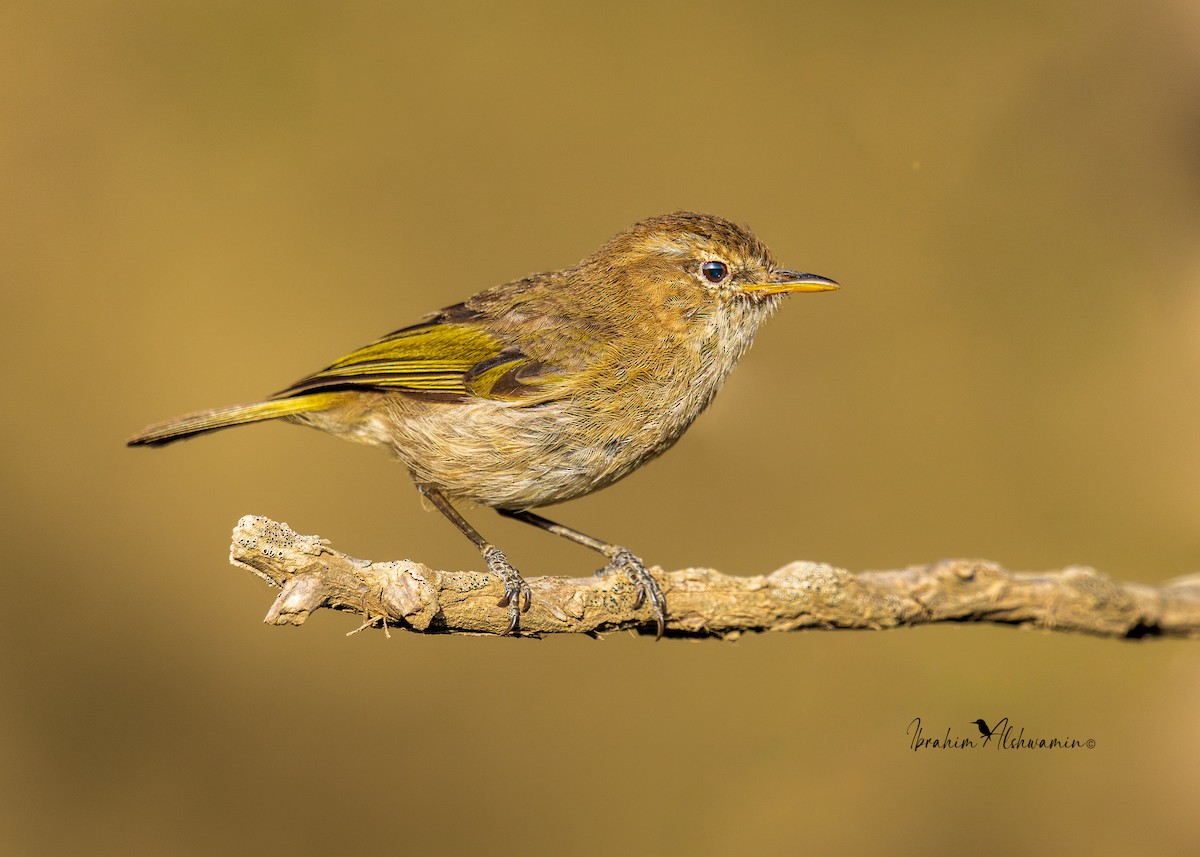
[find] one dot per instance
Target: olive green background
(204, 201)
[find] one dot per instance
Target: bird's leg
(618, 558)
(517, 595)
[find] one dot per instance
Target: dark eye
(714, 272)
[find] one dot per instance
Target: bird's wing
(447, 359)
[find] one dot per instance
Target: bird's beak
(781, 282)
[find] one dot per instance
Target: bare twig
(703, 602)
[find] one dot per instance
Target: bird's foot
(517, 594)
(620, 558)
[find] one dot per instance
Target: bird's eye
(715, 272)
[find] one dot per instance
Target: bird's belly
(499, 455)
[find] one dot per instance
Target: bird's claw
(643, 582)
(517, 595)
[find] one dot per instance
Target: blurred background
(204, 201)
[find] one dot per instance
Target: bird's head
(701, 260)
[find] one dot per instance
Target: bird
(549, 387)
(984, 730)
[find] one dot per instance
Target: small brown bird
(549, 387)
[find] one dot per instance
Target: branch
(702, 602)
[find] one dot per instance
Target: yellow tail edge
(214, 420)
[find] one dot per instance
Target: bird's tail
(206, 421)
